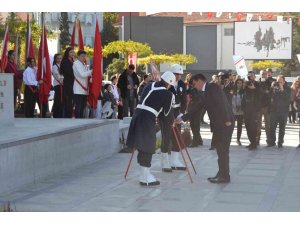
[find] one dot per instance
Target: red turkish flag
(132, 59)
(73, 36)
(4, 50)
(95, 86)
(299, 21)
(44, 69)
(80, 39)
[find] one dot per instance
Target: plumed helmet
(169, 77)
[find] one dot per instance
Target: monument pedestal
(6, 99)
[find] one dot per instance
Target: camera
(276, 87)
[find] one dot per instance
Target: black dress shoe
(252, 147)
(280, 146)
(212, 148)
(215, 177)
(167, 170)
(220, 180)
(178, 168)
(298, 146)
(270, 145)
(248, 146)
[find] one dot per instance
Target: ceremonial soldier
(156, 101)
(179, 91)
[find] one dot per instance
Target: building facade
(87, 21)
(209, 39)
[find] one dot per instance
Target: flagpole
(27, 41)
(42, 67)
(4, 47)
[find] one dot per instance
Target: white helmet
(176, 68)
(169, 77)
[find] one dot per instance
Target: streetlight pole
(129, 25)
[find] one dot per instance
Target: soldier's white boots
(146, 178)
(175, 162)
(165, 163)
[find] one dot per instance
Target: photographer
(250, 107)
(264, 104)
(227, 86)
(280, 100)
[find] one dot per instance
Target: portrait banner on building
(240, 65)
(263, 40)
(132, 59)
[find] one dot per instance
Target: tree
(175, 58)
(18, 28)
(109, 34)
(64, 39)
(264, 64)
(125, 48)
(293, 64)
(116, 67)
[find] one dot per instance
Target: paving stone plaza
(264, 180)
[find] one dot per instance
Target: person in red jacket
(11, 67)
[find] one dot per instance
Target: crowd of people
(227, 99)
(70, 82)
(267, 97)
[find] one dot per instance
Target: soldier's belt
(147, 108)
(176, 105)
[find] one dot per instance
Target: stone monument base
(34, 149)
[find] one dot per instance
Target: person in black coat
(280, 100)
(66, 69)
(222, 122)
(250, 108)
(156, 101)
(128, 84)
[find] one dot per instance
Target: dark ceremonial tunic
(142, 130)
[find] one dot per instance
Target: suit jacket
(123, 82)
(218, 108)
(66, 69)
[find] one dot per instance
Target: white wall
(225, 47)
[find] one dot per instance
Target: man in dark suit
(221, 120)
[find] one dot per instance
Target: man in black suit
(221, 120)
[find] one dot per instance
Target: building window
(89, 19)
(89, 41)
(228, 32)
(73, 18)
